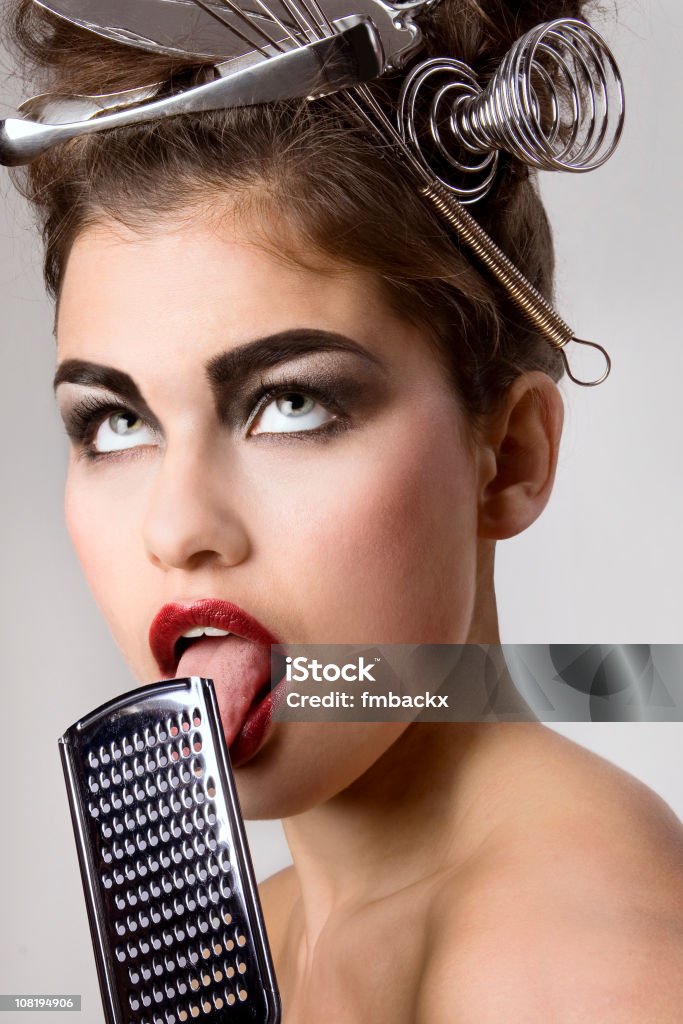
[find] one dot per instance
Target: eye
(120, 430)
(290, 411)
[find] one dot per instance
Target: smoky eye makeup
(83, 415)
(344, 385)
(345, 388)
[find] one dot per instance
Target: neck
(421, 809)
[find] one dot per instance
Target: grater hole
(185, 723)
(196, 717)
(241, 994)
(241, 966)
(230, 998)
(218, 1002)
(210, 788)
(173, 729)
(194, 1010)
(197, 742)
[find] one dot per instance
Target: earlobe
(519, 456)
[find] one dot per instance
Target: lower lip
(253, 733)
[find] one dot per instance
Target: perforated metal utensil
(172, 902)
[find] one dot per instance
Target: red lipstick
(176, 618)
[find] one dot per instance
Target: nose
(192, 517)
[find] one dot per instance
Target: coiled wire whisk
(556, 103)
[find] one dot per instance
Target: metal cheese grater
(172, 901)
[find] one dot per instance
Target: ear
(518, 456)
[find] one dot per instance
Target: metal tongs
(349, 57)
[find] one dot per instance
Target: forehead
(181, 291)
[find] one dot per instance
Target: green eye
(293, 410)
(120, 430)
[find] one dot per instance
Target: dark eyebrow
(94, 375)
(234, 367)
(237, 365)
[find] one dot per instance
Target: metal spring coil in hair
(556, 103)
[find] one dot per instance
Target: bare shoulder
(573, 912)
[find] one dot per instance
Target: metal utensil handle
(522, 293)
(350, 56)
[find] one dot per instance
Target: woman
(298, 414)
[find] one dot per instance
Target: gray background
(603, 563)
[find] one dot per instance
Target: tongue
(239, 669)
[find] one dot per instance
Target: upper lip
(175, 618)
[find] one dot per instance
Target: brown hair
(314, 169)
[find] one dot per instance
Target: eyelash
(87, 415)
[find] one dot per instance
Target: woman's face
(268, 436)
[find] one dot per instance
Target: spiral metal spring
(556, 103)
(520, 291)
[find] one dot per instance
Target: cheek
(382, 540)
(106, 538)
